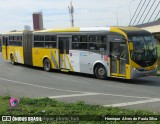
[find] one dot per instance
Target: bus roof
(125, 31)
(125, 28)
(134, 31)
(121, 29)
(15, 32)
(87, 29)
(78, 29)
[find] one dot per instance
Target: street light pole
(130, 9)
(117, 14)
(71, 13)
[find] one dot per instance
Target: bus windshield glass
(144, 50)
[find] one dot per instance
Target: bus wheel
(47, 65)
(100, 72)
(12, 59)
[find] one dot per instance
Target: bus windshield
(144, 50)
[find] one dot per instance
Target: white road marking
(18, 82)
(138, 97)
(132, 103)
(73, 95)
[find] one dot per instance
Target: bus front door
(118, 59)
(5, 47)
(63, 45)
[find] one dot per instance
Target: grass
(46, 106)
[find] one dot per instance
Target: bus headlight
(156, 66)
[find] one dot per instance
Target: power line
(135, 12)
(139, 12)
(143, 12)
(148, 12)
(157, 16)
(154, 11)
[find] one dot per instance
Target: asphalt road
(22, 81)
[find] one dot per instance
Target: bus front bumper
(135, 73)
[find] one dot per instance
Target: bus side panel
(83, 61)
(88, 59)
(74, 60)
(4, 52)
(17, 52)
(39, 54)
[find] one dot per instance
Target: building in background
(153, 27)
(37, 21)
(26, 27)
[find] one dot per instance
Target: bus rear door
(63, 46)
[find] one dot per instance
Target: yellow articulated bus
(119, 52)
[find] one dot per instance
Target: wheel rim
(101, 71)
(47, 65)
(12, 59)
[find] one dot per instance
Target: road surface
(22, 81)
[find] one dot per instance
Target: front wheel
(47, 65)
(12, 59)
(100, 72)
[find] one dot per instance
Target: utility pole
(71, 13)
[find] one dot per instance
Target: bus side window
(19, 40)
(93, 46)
(79, 42)
(15, 40)
(75, 45)
(93, 38)
(83, 38)
(97, 42)
(83, 46)
(75, 38)
(101, 39)
(38, 40)
(38, 44)
(83, 42)
(50, 41)
(102, 47)
(11, 41)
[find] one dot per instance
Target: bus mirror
(131, 45)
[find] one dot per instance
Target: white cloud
(17, 13)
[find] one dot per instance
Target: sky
(14, 14)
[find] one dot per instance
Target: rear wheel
(47, 65)
(12, 59)
(100, 72)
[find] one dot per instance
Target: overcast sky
(14, 14)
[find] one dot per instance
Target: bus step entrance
(65, 70)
